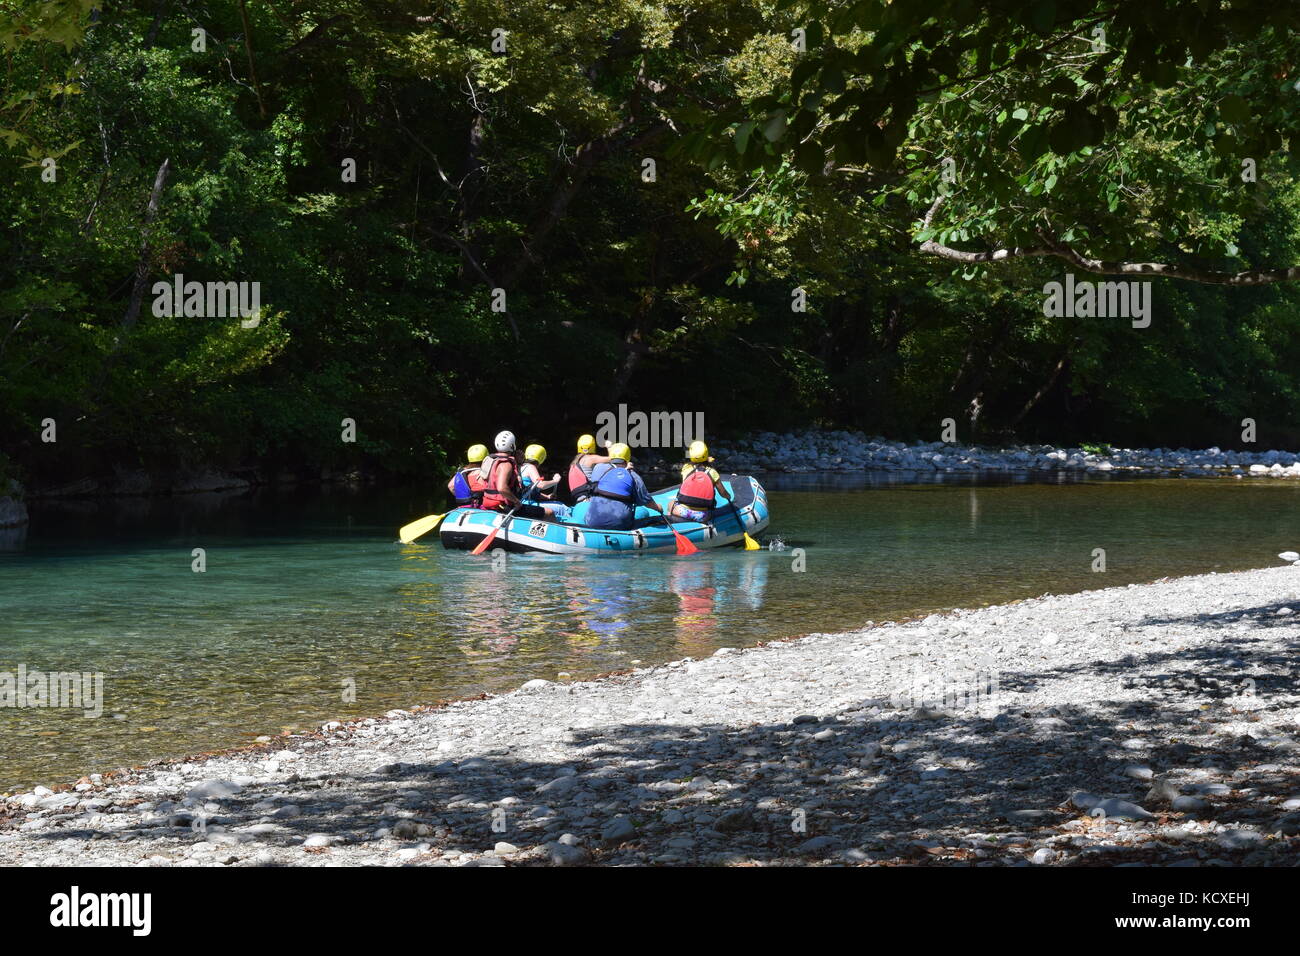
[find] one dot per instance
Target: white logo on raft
(72, 909)
(652, 430)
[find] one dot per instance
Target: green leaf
(743, 132)
(775, 127)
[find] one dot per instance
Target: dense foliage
(524, 170)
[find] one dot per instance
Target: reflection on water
(597, 610)
(309, 610)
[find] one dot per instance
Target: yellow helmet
(698, 452)
(535, 453)
(586, 445)
(476, 453)
(620, 451)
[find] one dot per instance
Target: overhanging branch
(1050, 246)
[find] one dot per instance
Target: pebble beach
(1146, 724)
(834, 451)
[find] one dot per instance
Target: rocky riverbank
(13, 512)
(141, 483)
(1143, 724)
(843, 451)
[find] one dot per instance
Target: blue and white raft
(464, 528)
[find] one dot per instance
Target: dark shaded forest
(463, 216)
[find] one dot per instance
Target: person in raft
(503, 490)
(531, 475)
(580, 486)
(467, 485)
(698, 495)
(619, 498)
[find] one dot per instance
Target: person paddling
(503, 490)
(466, 485)
(531, 474)
(580, 486)
(701, 485)
(617, 493)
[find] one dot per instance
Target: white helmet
(505, 441)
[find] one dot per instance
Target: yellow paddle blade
(419, 528)
(750, 543)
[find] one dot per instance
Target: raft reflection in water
(599, 613)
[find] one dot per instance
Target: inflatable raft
(464, 528)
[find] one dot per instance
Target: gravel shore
(831, 451)
(1144, 724)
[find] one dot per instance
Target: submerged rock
(13, 512)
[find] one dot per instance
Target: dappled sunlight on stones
(1161, 727)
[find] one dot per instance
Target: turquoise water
(309, 610)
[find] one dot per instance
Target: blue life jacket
(615, 482)
(461, 490)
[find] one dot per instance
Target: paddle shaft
(741, 521)
(486, 542)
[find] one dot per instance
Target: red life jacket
(476, 486)
(579, 479)
(492, 500)
(697, 489)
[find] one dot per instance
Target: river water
(309, 610)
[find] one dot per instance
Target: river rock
(741, 818)
(820, 844)
(1111, 808)
(13, 512)
(205, 481)
(618, 830)
(214, 790)
(1238, 838)
(1288, 825)
(562, 854)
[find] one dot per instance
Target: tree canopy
(1099, 132)
(647, 189)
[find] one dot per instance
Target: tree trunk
(152, 36)
(142, 265)
(634, 350)
(252, 67)
(466, 200)
(1046, 386)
